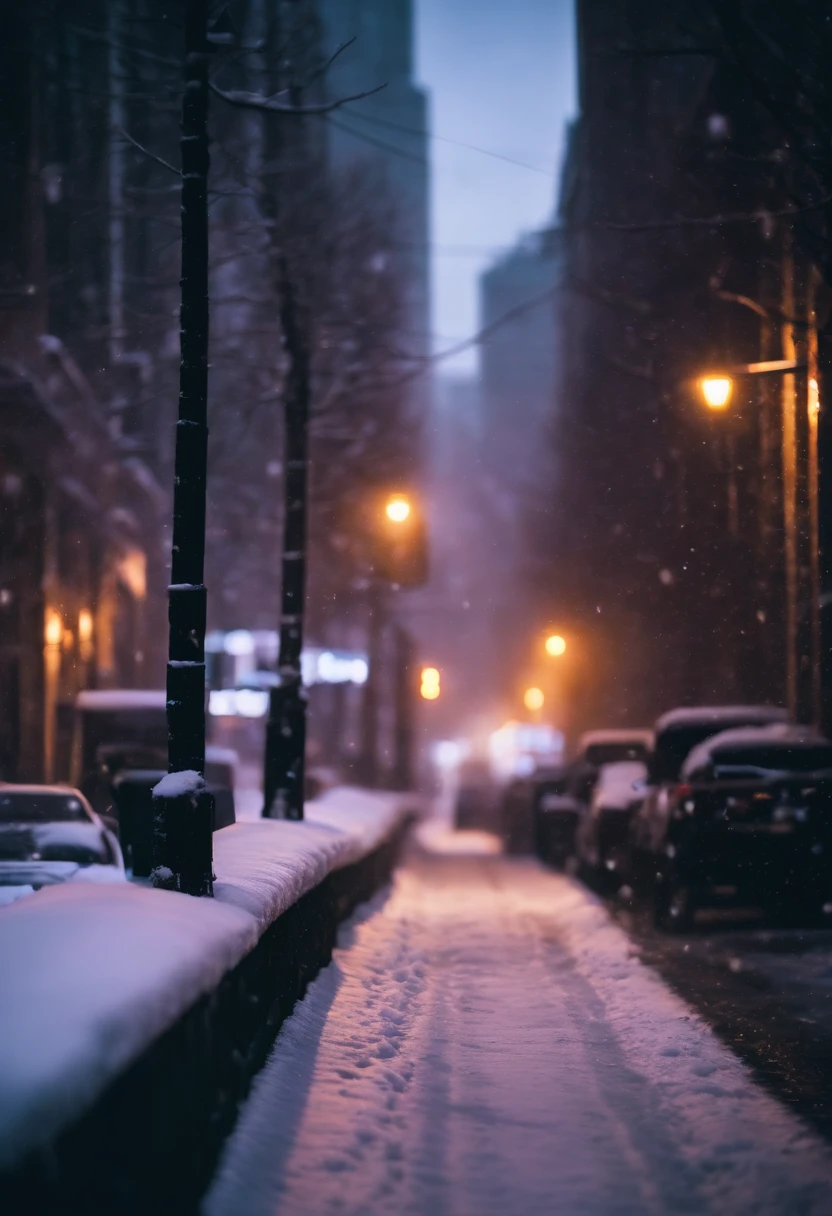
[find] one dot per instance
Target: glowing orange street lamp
(429, 688)
(397, 509)
(717, 391)
(555, 645)
(533, 698)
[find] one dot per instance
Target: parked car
(120, 751)
(517, 815)
(476, 800)
(603, 832)
(749, 823)
(50, 834)
(558, 806)
(674, 736)
(597, 747)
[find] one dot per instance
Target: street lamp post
(183, 810)
(798, 433)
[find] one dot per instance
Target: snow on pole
(183, 822)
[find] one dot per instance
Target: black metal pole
(183, 810)
(405, 697)
(368, 757)
(283, 775)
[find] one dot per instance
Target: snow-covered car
(749, 823)
(597, 747)
(601, 844)
(51, 834)
(675, 734)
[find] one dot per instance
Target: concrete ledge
(148, 1136)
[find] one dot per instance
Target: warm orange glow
(397, 509)
(533, 698)
(430, 686)
(84, 626)
(132, 571)
(814, 398)
(54, 629)
(717, 391)
(555, 645)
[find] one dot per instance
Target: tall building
(388, 131)
(518, 360)
(669, 536)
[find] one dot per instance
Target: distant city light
(517, 748)
(430, 686)
(54, 629)
(555, 645)
(238, 703)
(533, 698)
(239, 642)
(84, 625)
(717, 391)
(397, 509)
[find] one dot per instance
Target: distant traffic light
(429, 689)
(400, 543)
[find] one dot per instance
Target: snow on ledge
(174, 785)
(93, 974)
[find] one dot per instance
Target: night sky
(501, 77)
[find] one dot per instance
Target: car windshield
(83, 843)
(36, 807)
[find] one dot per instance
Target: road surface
(487, 1042)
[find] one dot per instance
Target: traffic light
(400, 543)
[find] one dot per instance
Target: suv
(677, 733)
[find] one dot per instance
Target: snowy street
(487, 1041)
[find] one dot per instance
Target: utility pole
(368, 766)
(404, 697)
(789, 458)
(283, 775)
(184, 812)
(813, 412)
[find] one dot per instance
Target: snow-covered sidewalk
(92, 975)
(485, 1043)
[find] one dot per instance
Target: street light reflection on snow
(533, 698)
(397, 509)
(717, 391)
(518, 748)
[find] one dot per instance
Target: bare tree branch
(270, 105)
(146, 152)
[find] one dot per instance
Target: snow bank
(93, 974)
